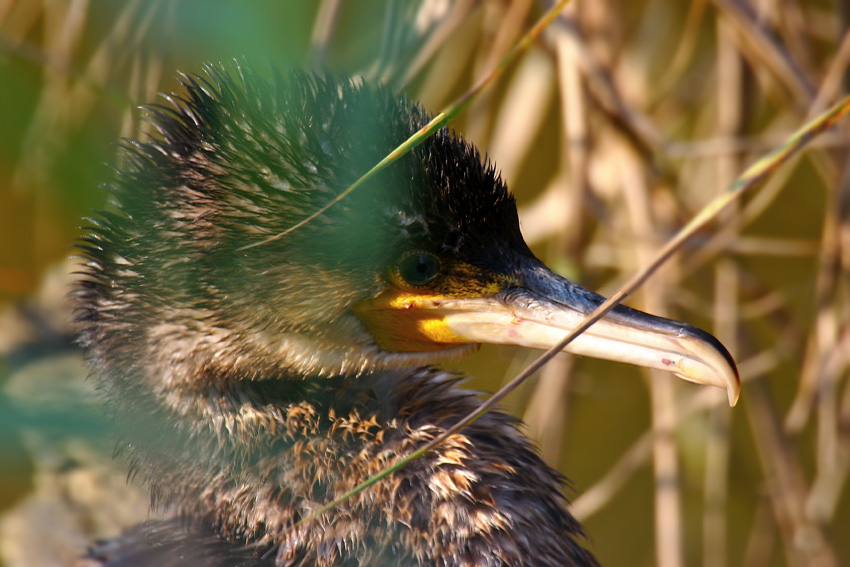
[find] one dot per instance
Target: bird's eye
(417, 269)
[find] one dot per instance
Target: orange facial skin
(405, 318)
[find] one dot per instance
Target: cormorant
(255, 377)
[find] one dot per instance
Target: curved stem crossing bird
(255, 379)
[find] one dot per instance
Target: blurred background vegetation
(623, 120)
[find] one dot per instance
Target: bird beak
(538, 311)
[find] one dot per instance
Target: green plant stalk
(752, 177)
(440, 120)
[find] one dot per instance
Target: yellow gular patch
(406, 319)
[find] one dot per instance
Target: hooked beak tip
(704, 360)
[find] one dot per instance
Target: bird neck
(256, 457)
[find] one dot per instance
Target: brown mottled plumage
(251, 385)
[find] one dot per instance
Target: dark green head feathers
(241, 158)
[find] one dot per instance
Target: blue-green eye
(417, 268)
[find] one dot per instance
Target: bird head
(196, 264)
